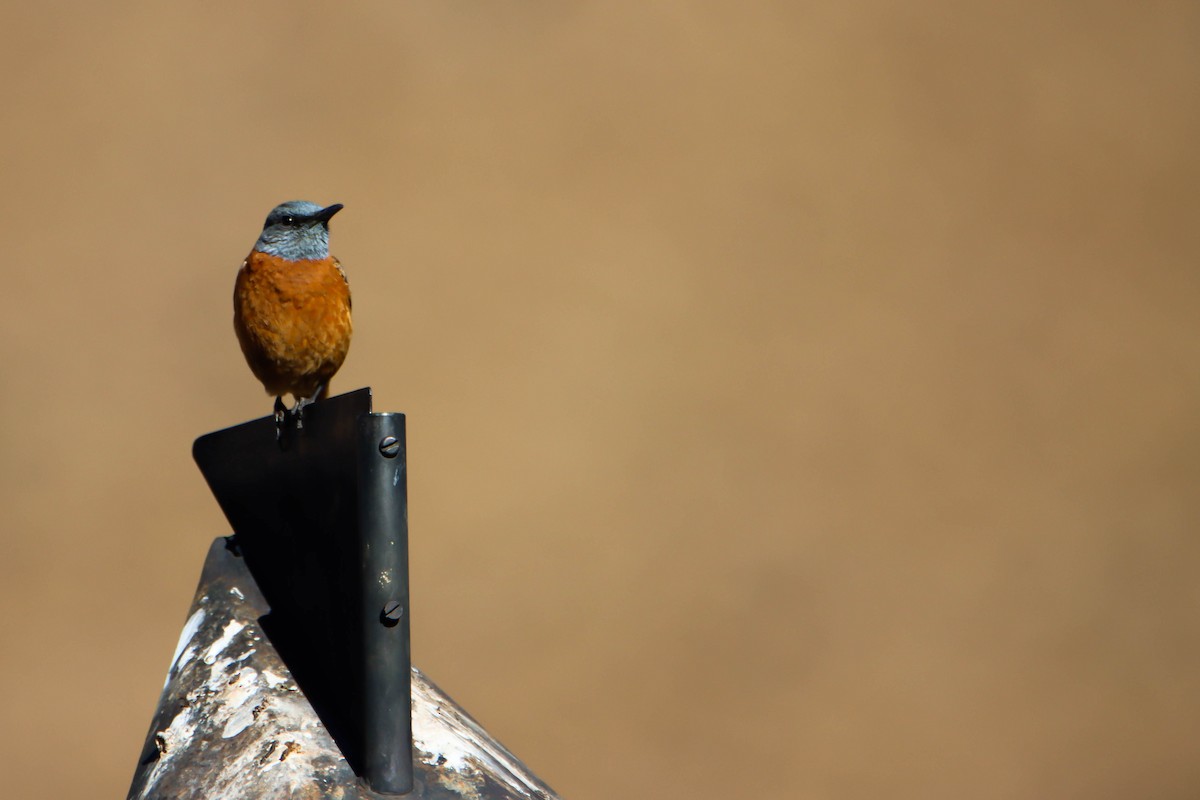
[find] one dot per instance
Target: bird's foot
(298, 411)
(280, 418)
(304, 402)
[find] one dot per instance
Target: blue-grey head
(297, 230)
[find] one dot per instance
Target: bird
(291, 307)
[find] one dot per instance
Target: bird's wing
(342, 272)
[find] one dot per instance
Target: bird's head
(297, 230)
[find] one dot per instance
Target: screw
(393, 611)
(389, 446)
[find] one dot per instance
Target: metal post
(321, 517)
(384, 610)
(294, 672)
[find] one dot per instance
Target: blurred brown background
(802, 396)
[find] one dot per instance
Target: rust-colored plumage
(292, 320)
(291, 307)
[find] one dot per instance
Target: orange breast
(292, 320)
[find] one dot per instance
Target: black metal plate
(293, 506)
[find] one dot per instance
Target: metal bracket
(320, 516)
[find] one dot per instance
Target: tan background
(803, 397)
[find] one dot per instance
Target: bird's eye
(289, 220)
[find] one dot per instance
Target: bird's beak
(325, 213)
